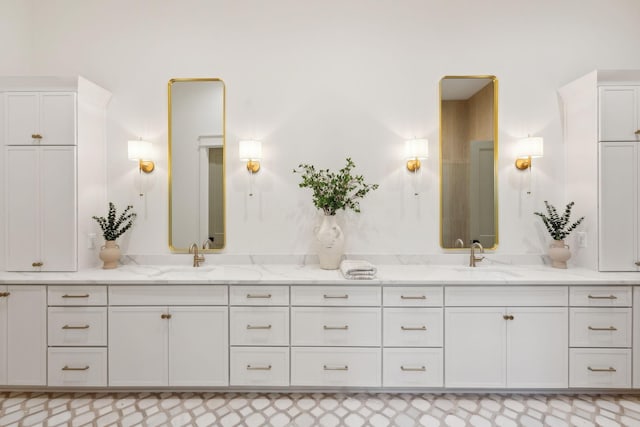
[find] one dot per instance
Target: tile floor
(317, 409)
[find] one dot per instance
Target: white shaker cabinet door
(138, 346)
(3, 334)
(21, 118)
(475, 347)
(619, 113)
(58, 118)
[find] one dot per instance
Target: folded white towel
(356, 269)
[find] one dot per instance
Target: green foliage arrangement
(113, 228)
(333, 191)
(558, 226)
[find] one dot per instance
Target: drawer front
(336, 296)
(349, 367)
(412, 327)
(77, 295)
(600, 327)
(500, 296)
(168, 295)
(259, 295)
(77, 326)
(418, 296)
(319, 326)
(415, 367)
(259, 325)
(259, 366)
(77, 367)
(600, 368)
(600, 296)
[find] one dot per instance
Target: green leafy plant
(333, 191)
(113, 228)
(558, 226)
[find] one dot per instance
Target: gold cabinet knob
(165, 316)
(37, 264)
(637, 263)
(4, 294)
(36, 136)
(637, 132)
(507, 317)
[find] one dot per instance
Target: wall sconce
(140, 150)
(250, 151)
(414, 151)
(529, 148)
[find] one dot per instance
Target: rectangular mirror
(196, 164)
(468, 161)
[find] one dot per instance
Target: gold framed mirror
(197, 164)
(468, 161)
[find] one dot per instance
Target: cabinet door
(138, 346)
(475, 347)
(619, 113)
(21, 118)
(27, 335)
(3, 335)
(58, 208)
(58, 118)
(636, 337)
(198, 346)
(618, 236)
(537, 347)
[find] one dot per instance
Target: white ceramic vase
(110, 254)
(331, 240)
(559, 254)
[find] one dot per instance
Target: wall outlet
(582, 239)
(91, 241)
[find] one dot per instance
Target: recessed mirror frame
(224, 163)
(495, 159)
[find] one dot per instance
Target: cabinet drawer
(321, 326)
(500, 296)
(259, 295)
(77, 367)
(259, 366)
(415, 367)
(336, 295)
(419, 296)
(600, 296)
(77, 295)
(259, 325)
(168, 295)
(600, 327)
(412, 327)
(352, 367)
(600, 368)
(77, 326)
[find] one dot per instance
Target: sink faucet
(472, 257)
(197, 259)
(208, 244)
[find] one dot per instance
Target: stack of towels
(358, 270)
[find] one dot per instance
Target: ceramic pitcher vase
(110, 254)
(331, 239)
(559, 254)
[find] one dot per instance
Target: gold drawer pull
(75, 296)
(637, 263)
(258, 368)
(4, 294)
(413, 297)
(420, 369)
(603, 297)
(258, 295)
(637, 132)
(409, 328)
(36, 136)
(331, 328)
(609, 369)
(165, 316)
(508, 317)
(610, 328)
(37, 264)
(75, 327)
(258, 327)
(345, 296)
(66, 368)
(336, 368)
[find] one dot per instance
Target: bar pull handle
(75, 327)
(332, 328)
(609, 369)
(345, 296)
(508, 317)
(413, 297)
(258, 326)
(75, 296)
(258, 368)
(165, 316)
(67, 368)
(36, 136)
(610, 328)
(37, 264)
(409, 369)
(258, 295)
(416, 328)
(336, 368)
(602, 296)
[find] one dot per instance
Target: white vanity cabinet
(23, 335)
(168, 336)
(619, 113)
(497, 337)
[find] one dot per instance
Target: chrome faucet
(472, 257)
(197, 259)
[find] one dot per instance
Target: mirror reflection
(468, 161)
(196, 163)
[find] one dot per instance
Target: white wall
(15, 37)
(319, 80)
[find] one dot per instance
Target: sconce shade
(250, 150)
(532, 146)
(139, 149)
(416, 149)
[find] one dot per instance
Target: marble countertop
(310, 274)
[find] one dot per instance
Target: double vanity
(297, 327)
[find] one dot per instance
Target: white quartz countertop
(290, 274)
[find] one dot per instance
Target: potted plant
(112, 228)
(559, 227)
(333, 191)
